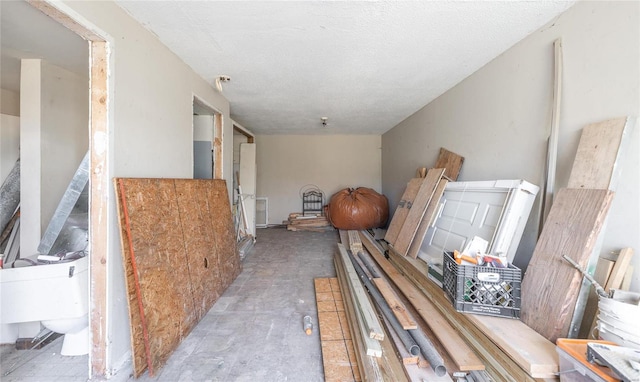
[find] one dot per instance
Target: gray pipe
(10, 195)
(429, 352)
(412, 336)
(406, 339)
(367, 263)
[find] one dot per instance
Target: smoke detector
(324, 121)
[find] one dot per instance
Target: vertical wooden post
(98, 207)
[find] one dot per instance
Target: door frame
(100, 215)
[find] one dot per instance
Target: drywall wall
(54, 138)
(9, 144)
(10, 102)
(151, 93)
(499, 117)
(287, 163)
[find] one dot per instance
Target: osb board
(177, 257)
(427, 219)
(417, 211)
(550, 286)
(402, 210)
(451, 162)
(338, 355)
(597, 154)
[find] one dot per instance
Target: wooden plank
(179, 254)
(550, 286)
(451, 162)
(427, 219)
(597, 155)
(601, 275)
(417, 210)
(462, 355)
(403, 209)
(360, 298)
(355, 245)
(397, 307)
(507, 346)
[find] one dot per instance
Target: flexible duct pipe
(10, 195)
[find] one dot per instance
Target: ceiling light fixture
(220, 80)
(324, 121)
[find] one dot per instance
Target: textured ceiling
(364, 65)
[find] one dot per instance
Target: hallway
(252, 333)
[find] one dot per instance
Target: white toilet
(55, 294)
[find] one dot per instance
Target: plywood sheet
(427, 219)
(597, 156)
(179, 255)
(417, 211)
(402, 210)
(550, 286)
(451, 162)
(338, 355)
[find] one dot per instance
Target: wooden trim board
(550, 286)
(397, 307)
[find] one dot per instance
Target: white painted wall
(10, 102)
(54, 137)
(9, 144)
(286, 163)
(499, 117)
(151, 116)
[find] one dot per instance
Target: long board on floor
(179, 255)
(550, 286)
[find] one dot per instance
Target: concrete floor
(253, 332)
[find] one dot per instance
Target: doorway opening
(207, 141)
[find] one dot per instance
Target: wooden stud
(360, 298)
(355, 245)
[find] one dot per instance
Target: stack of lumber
(397, 359)
(507, 348)
(419, 204)
(315, 223)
